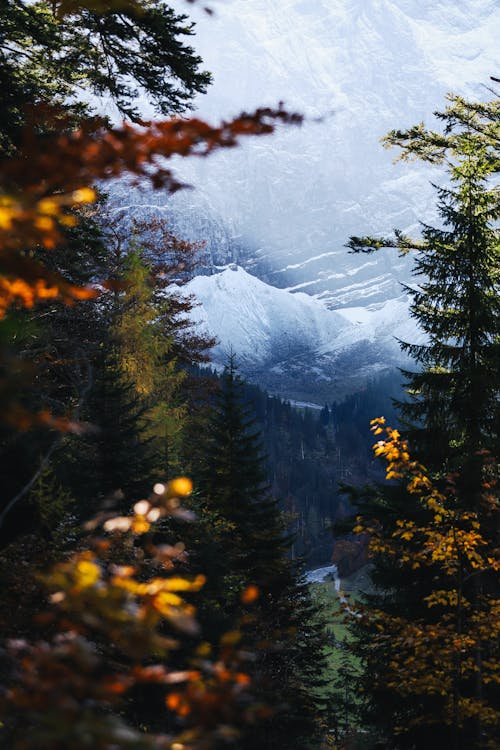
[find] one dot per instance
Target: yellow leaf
(84, 195)
(182, 486)
(88, 573)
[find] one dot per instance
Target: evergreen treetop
(281, 627)
(434, 535)
(454, 396)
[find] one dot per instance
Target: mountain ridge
(292, 343)
(283, 207)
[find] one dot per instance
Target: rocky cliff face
(282, 207)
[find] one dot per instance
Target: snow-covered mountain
(293, 344)
(283, 206)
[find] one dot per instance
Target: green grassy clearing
(337, 624)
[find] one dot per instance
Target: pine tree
(454, 395)
(280, 627)
(115, 455)
(452, 417)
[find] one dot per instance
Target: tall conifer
(452, 417)
(280, 627)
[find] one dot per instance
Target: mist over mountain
(283, 207)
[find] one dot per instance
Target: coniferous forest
(159, 516)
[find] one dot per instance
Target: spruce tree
(280, 627)
(452, 419)
(115, 454)
(453, 402)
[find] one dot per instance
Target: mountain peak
(292, 343)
